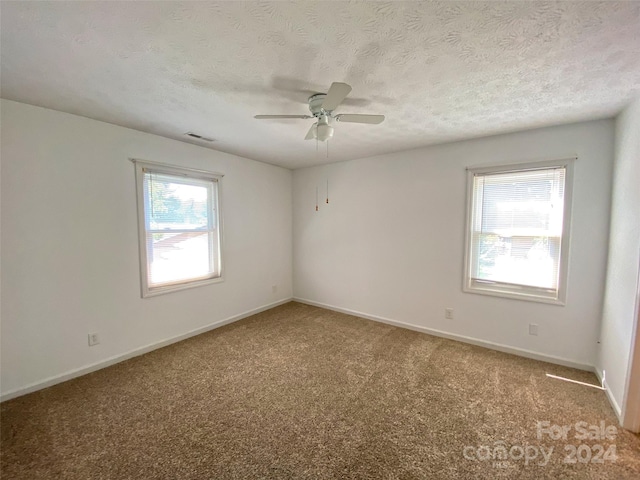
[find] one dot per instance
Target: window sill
(527, 297)
(155, 291)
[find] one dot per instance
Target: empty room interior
(318, 240)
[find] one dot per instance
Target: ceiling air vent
(199, 137)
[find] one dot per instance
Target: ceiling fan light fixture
(324, 132)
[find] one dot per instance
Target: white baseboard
(78, 372)
(614, 403)
(452, 336)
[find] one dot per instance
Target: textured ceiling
(439, 71)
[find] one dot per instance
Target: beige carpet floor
(299, 392)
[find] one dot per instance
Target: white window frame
(521, 292)
(142, 167)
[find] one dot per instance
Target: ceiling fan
(322, 106)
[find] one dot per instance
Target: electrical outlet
(533, 329)
(93, 339)
(274, 288)
(448, 313)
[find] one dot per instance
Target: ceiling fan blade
(336, 94)
(267, 117)
(357, 118)
(310, 133)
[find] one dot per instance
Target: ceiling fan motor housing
(315, 104)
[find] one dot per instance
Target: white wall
(70, 245)
(390, 244)
(619, 313)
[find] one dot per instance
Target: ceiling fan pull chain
(327, 186)
(316, 199)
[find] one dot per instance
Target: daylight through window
(179, 228)
(517, 237)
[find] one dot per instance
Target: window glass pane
(174, 204)
(173, 257)
(517, 227)
(519, 260)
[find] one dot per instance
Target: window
(518, 220)
(179, 227)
